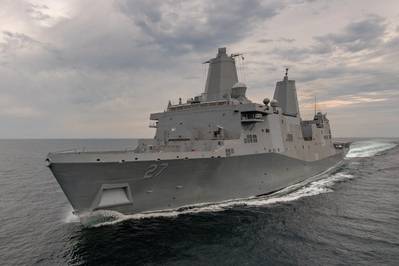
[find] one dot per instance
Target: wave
(292, 193)
(368, 148)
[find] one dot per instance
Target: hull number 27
(155, 170)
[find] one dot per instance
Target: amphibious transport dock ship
(214, 147)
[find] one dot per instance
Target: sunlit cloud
(350, 100)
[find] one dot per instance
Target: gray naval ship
(215, 147)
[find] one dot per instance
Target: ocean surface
(349, 216)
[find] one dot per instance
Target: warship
(214, 147)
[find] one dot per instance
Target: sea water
(348, 216)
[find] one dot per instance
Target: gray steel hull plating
(158, 185)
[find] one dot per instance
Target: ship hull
(134, 187)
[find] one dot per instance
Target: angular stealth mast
(222, 75)
(286, 96)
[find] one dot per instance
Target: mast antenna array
(315, 105)
(241, 66)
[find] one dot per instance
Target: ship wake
(322, 185)
(368, 148)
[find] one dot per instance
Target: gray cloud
(357, 36)
(97, 72)
(14, 41)
(288, 40)
(283, 39)
(36, 12)
(361, 35)
(265, 40)
(181, 27)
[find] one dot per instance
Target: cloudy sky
(94, 68)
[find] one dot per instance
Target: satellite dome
(239, 85)
(266, 101)
(238, 90)
(274, 103)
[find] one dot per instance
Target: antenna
(204, 68)
(240, 66)
(243, 70)
(237, 54)
(315, 105)
(286, 72)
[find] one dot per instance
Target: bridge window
(251, 138)
(229, 152)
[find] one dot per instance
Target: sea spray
(368, 148)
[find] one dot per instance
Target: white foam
(323, 185)
(368, 148)
(70, 217)
(313, 188)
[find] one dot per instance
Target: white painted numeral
(155, 170)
